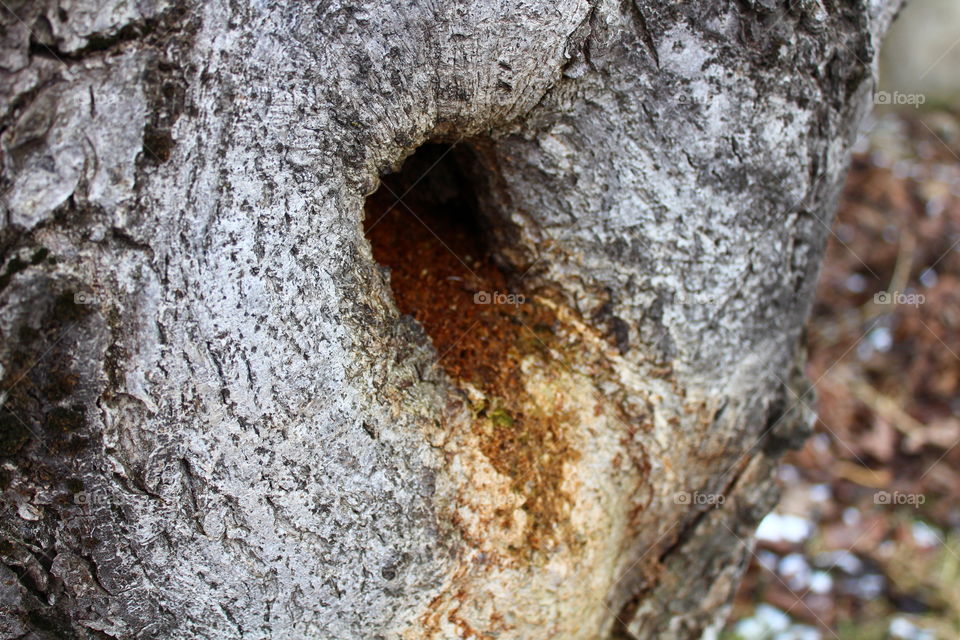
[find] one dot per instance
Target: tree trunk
(216, 422)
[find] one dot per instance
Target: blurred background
(865, 543)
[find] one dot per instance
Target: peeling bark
(217, 424)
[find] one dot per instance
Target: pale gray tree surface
(216, 423)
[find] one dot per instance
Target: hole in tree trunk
(424, 224)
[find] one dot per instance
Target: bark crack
(644, 30)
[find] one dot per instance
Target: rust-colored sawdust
(437, 268)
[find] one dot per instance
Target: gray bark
(215, 422)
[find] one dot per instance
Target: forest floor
(865, 543)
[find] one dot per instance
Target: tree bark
(216, 423)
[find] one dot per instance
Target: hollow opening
(425, 225)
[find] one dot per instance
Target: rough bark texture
(215, 422)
